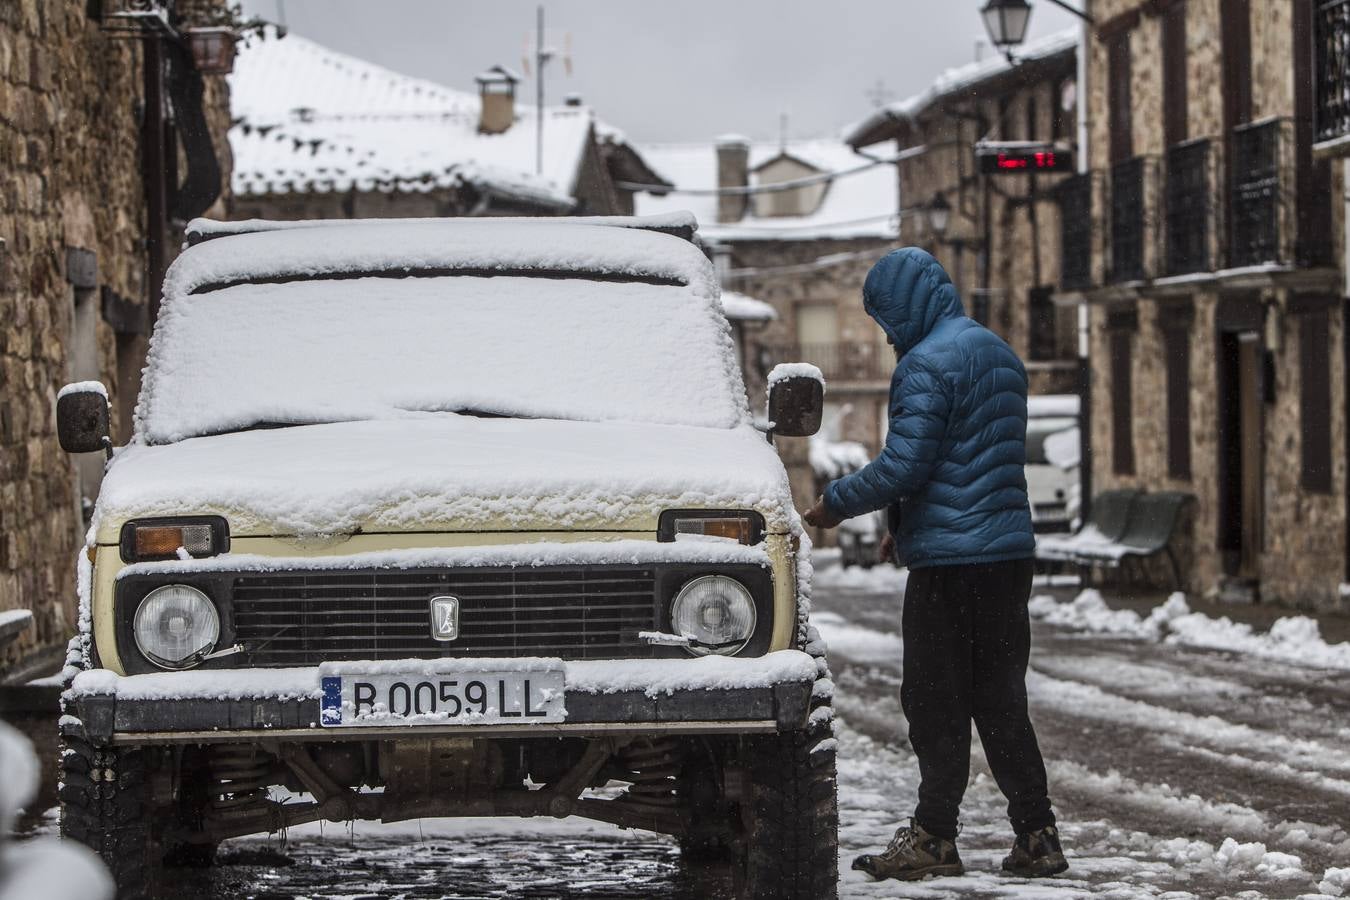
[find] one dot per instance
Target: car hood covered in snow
(446, 472)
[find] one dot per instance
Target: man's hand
(886, 552)
(820, 515)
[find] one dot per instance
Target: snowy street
(1176, 772)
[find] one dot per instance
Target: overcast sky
(675, 69)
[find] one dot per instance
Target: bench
(1126, 527)
(1106, 526)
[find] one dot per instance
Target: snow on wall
(740, 307)
(447, 471)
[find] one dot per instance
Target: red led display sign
(1021, 160)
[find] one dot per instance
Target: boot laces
(903, 842)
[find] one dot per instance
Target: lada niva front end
(446, 519)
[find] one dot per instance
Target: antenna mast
(539, 60)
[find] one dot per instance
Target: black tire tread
(110, 815)
(792, 850)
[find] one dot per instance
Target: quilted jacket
(955, 453)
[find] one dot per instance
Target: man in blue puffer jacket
(952, 479)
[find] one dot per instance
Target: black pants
(967, 637)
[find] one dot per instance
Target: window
(1032, 129)
(1118, 61)
(1175, 324)
(1042, 325)
(1120, 328)
(817, 323)
(979, 305)
(1063, 103)
(1174, 74)
(1314, 362)
(1235, 21)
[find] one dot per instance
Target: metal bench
(1152, 522)
(1105, 527)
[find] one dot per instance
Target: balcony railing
(1331, 71)
(1259, 201)
(842, 361)
(1190, 207)
(1130, 181)
(1075, 233)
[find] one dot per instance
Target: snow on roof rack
(682, 225)
(262, 252)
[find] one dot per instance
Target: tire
(105, 805)
(791, 817)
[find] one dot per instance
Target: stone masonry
(1302, 542)
(72, 233)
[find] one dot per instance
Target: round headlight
(716, 611)
(174, 624)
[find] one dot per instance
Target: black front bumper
(107, 719)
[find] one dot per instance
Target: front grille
(299, 618)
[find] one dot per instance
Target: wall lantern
(1006, 21)
(939, 215)
(212, 49)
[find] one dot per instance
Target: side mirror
(796, 399)
(82, 418)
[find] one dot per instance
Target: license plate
(461, 698)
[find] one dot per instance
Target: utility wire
(820, 178)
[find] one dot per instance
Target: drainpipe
(154, 171)
(1085, 458)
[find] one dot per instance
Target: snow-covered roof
(311, 119)
(858, 205)
(741, 308)
(874, 128)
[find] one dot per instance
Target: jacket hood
(908, 293)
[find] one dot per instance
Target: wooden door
(1251, 429)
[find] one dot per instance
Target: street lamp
(1006, 21)
(939, 215)
(212, 49)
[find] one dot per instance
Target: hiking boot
(912, 854)
(1036, 854)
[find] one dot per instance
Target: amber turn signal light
(737, 525)
(153, 539)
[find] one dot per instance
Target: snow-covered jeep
(447, 518)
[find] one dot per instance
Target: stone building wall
(72, 231)
(1303, 537)
(1020, 211)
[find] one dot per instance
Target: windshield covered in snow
(309, 351)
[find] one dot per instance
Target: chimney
(497, 96)
(572, 99)
(733, 170)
